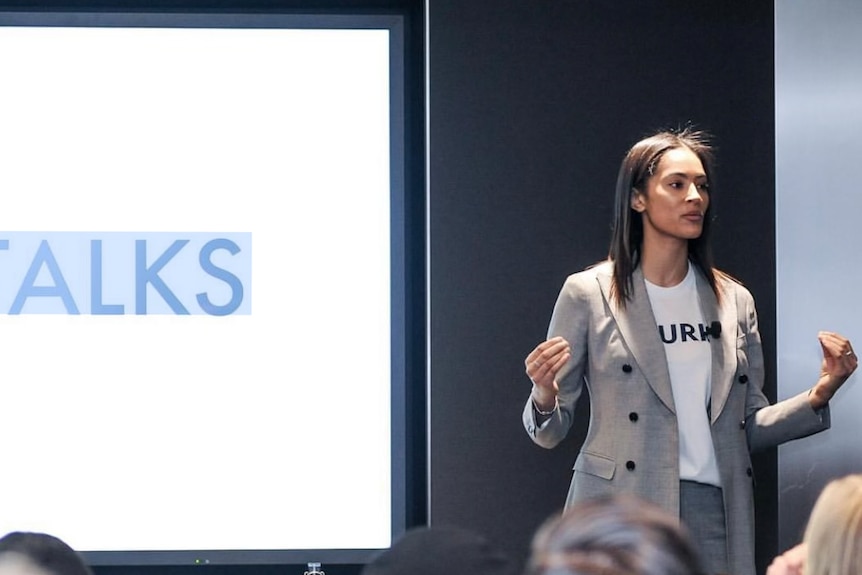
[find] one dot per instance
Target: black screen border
(408, 235)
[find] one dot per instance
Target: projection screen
(202, 332)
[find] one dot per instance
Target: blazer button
(748, 472)
(743, 378)
(627, 368)
(630, 465)
(633, 416)
(742, 424)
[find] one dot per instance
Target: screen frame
(407, 221)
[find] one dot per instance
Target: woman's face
(676, 198)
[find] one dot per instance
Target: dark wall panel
(532, 106)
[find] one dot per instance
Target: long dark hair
(639, 164)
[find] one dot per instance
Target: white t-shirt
(689, 358)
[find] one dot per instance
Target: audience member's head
(23, 553)
(613, 536)
(834, 533)
(441, 551)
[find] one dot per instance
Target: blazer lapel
(637, 325)
(723, 347)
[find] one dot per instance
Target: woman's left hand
(839, 362)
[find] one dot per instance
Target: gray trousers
(701, 510)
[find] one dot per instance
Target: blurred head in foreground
(613, 536)
(441, 551)
(834, 532)
(23, 553)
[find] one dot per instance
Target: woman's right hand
(542, 365)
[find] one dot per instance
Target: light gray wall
(818, 81)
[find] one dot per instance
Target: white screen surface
(140, 427)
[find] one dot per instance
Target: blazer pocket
(595, 464)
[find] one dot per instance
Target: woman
(669, 350)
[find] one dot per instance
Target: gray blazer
(633, 441)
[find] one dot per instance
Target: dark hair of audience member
(442, 550)
(46, 552)
(618, 535)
